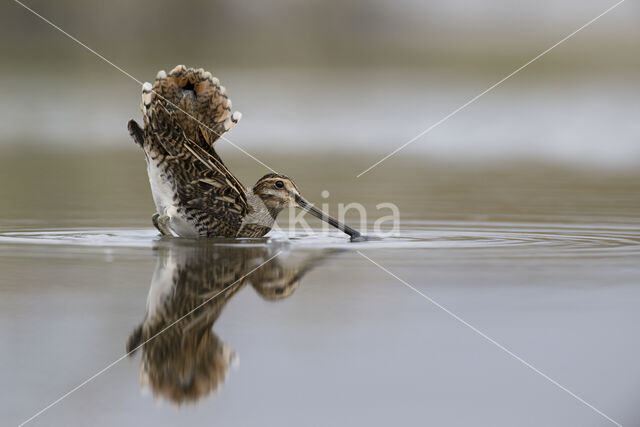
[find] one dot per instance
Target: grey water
(541, 259)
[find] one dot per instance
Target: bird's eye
(279, 184)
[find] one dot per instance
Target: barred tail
(195, 101)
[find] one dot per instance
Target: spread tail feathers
(195, 101)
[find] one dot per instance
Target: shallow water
(542, 259)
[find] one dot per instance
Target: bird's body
(184, 113)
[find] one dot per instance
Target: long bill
(303, 204)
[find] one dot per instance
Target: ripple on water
(416, 235)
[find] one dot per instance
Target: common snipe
(184, 113)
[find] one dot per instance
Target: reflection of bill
(188, 360)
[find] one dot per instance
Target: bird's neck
(260, 214)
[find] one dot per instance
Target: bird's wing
(182, 112)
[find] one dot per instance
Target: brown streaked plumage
(184, 113)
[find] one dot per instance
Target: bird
(184, 113)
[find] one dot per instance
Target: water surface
(543, 259)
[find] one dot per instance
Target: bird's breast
(162, 187)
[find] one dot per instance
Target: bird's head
(278, 192)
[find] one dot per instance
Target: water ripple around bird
(415, 235)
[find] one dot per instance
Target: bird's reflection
(183, 360)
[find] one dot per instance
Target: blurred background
(327, 88)
(327, 75)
